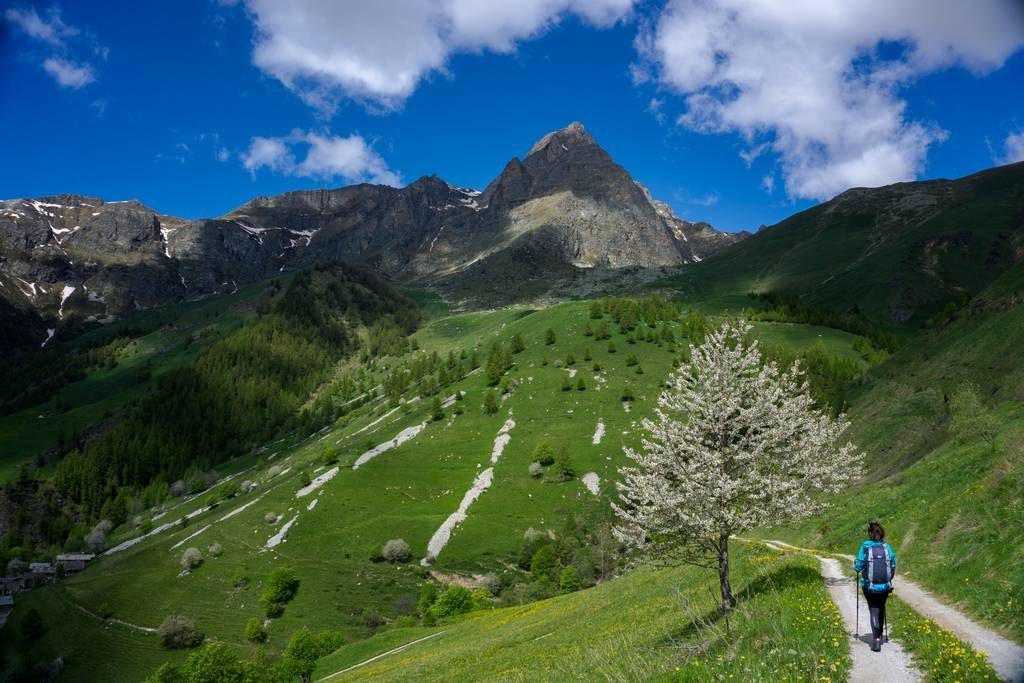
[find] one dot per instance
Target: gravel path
(1005, 656)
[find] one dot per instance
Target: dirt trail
(1005, 656)
(380, 656)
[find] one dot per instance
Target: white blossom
(737, 443)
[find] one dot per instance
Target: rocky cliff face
(565, 207)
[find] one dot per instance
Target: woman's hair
(876, 532)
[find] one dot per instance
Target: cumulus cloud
(327, 157)
(63, 42)
(819, 81)
(1013, 149)
(378, 52)
(69, 74)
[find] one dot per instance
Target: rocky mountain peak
(573, 135)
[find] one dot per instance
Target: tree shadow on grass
(703, 629)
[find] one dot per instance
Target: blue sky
(728, 111)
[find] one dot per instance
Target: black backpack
(878, 570)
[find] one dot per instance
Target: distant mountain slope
(566, 205)
(898, 253)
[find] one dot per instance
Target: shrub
(273, 471)
(240, 580)
(611, 347)
(329, 456)
(282, 585)
(631, 360)
(490, 403)
(178, 632)
(639, 369)
(569, 580)
(627, 393)
(549, 337)
(436, 411)
(536, 469)
(597, 367)
(544, 563)
(570, 359)
(396, 550)
(566, 383)
(482, 598)
(454, 600)
(517, 343)
(190, 559)
(215, 550)
(588, 331)
(428, 594)
(586, 354)
(254, 631)
(492, 583)
(544, 453)
(563, 469)
(270, 517)
(580, 384)
(532, 539)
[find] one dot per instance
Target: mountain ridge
(566, 202)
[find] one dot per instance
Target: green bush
(254, 632)
(490, 406)
(569, 580)
(549, 337)
(282, 585)
(566, 383)
(544, 563)
(178, 632)
(631, 360)
(454, 600)
(580, 384)
(544, 454)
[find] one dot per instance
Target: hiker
(876, 565)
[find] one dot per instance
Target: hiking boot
(876, 645)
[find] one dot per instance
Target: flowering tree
(737, 443)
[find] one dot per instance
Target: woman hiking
(876, 565)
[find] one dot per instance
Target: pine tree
(490, 403)
(549, 337)
(752, 450)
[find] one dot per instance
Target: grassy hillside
(949, 486)
(899, 253)
(652, 624)
(406, 492)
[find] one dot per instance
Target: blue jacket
(861, 563)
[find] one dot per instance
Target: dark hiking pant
(876, 608)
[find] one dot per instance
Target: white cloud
(768, 183)
(1013, 149)
(222, 154)
(378, 52)
(63, 43)
(819, 80)
(52, 31)
(68, 74)
(326, 157)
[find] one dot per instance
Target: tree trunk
(723, 571)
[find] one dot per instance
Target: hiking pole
(856, 595)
